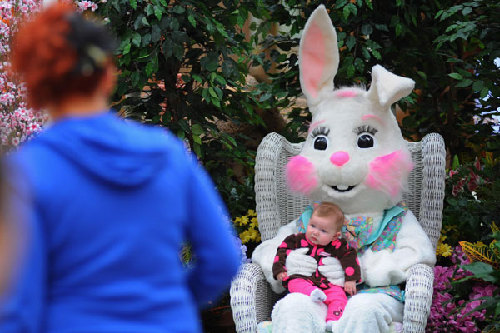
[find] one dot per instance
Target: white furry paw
(396, 327)
(331, 325)
(318, 295)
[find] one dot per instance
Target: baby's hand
(281, 276)
(350, 287)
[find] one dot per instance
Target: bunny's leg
(370, 313)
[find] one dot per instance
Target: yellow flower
(443, 250)
(251, 212)
(244, 220)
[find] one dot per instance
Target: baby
(323, 239)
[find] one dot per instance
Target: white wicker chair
(251, 296)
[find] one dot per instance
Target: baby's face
(321, 230)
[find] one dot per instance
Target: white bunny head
(354, 154)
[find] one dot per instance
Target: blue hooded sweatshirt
(107, 206)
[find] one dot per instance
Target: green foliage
(471, 201)
(183, 65)
(485, 272)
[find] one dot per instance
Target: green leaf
(382, 27)
(216, 102)
(197, 78)
(464, 83)
(422, 75)
(456, 163)
(149, 10)
(377, 54)
(265, 97)
(481, 270)
(146, 39)
(149, 69)
(136, 39)
(178, 9)
(350, 70)
(346, 12)
(210, 62)
(197, 150)
(340, 3)
(155, 33)
(231, 139)
(133, 3)
(366, 53)
(366, 29)
(212, 92)
(197, 129)
(466, 11)
(350, 42)
(126, 48)
(221, 80)
(455, 76)
(353, 8)
(158, 13)
(477, 86)
(192, 20)
(399, 29)
(484, 92)
(196, 139)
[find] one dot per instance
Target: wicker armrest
(418, 298)
(252, 298)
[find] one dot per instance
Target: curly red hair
(44, 58)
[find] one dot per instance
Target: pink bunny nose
(339, 158)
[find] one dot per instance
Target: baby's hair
(325, 209)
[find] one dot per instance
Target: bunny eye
(365, 140)
(320, 142)
(366, 136)
(320, 138)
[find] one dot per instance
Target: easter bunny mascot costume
(356, 157)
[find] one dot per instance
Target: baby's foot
(318, 295)
(331, 325)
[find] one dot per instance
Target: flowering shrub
(471, 202)
(17, 122)
(449, 314)
(246, 226)
(465, 294)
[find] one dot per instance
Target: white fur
(264, 254)
(343, 112)
(308, 316)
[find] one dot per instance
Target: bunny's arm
(386, 267)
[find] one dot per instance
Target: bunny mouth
(342, 188)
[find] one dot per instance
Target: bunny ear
(388, 88)
(318, 55)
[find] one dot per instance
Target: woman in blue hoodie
(107, 204)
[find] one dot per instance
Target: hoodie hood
(116, 151)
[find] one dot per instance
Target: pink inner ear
(301, 175)
(313, 59)
(388, 173)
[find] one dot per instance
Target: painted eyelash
(365, 129)
(320, 131)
